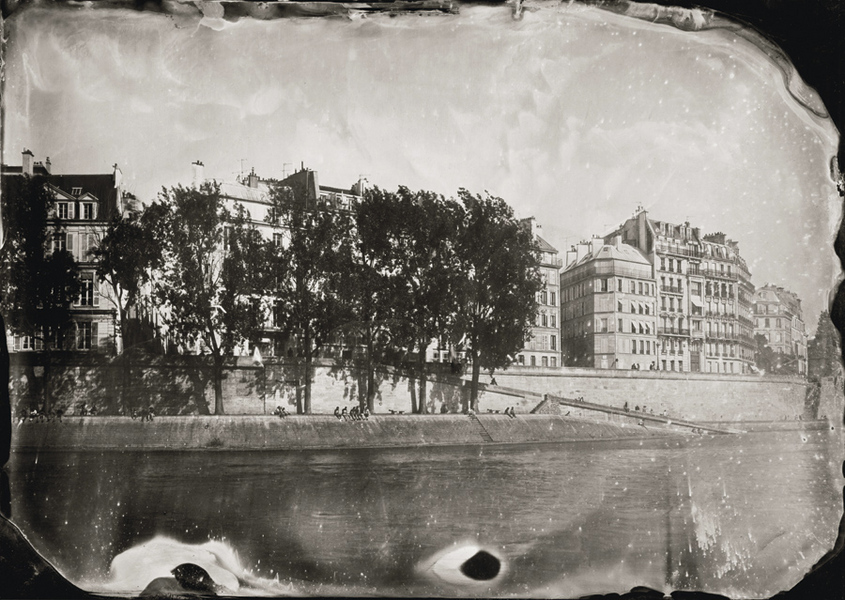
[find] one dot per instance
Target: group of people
(355, 414)
(280, 412)
(39, 416)
(509, 411)
(145, 414)
(651, 367)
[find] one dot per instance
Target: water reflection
(737, 515)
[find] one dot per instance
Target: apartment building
(542, 348)
(704, 295)
(779, 318)
(84, 204)
(608, 307)
(253, 194)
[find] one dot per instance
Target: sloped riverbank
(317, 432)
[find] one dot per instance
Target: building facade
(542, 349)
(253, 194)
(704, 295)
(608, 307)
(84, 204)
(780, 319)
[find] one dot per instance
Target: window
(86, 336)
(553, 298)
(60, 242)
(633, 346)
(520, 359)
(544, 297)
(680, 365)
(62, 211)
(553, 342)
(554, 361)
(77, 191)
(89, 212)
(619, 307)
(533, 361)
(620, 328)
(545, 320)
(545, 361)
(86, 294)
(553, 320)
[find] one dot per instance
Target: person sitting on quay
(625, 407)
(344, 414)
(337, 413)
(366, 412)
(444, 409)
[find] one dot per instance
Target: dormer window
(89, 211)
(62, 210)
(77, 191)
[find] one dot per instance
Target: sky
(573, 115)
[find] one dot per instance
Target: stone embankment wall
(182, 386)
(314, 432)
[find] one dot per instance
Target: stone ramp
(580, 408)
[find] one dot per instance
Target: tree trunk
(218, 385)
(476, 371)
(46, 387)
(422, 378)
(306, 401)
(413, 388)
(371, 376)
(125, 365)
(124, 391)
(5, 401)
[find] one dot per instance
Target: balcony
(554, 262)
(732, 276)
(673, 331)
(672, 289)
(667, 249)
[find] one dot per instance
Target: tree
(40, 278)
(764, 357)
(212, 273)
(127, 255)
(824, 350)
(428, 272)
(306, 271)
(500, 279)
(369, 279)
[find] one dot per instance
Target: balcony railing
(667, 249)
(733, 276)
(673, 331)
(672, 289)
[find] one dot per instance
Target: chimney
(118, 176)
(361, 186)
(252, 180)
(582, 250)
(48, 167)
(27, 162)
(197, 168)
(617, 241)
(571, 256)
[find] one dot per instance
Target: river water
(743, 515)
